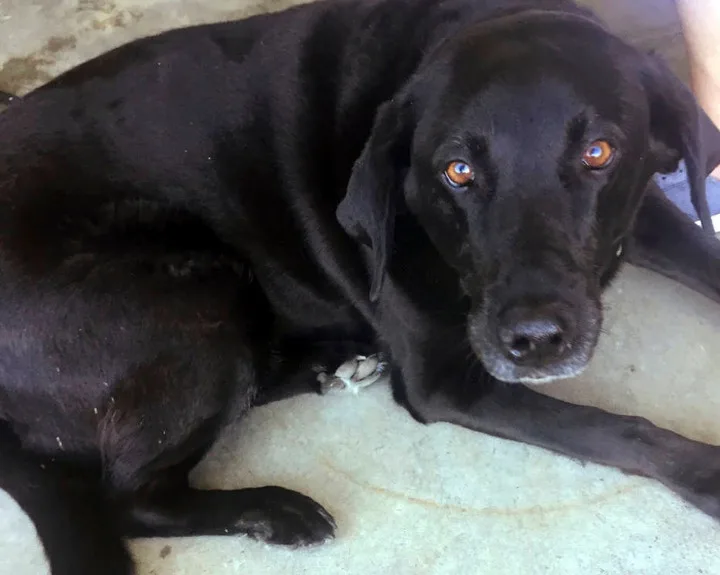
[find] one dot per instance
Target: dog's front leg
(515, 412)
(666, 241)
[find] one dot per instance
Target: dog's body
(191, 223)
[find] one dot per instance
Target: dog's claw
(354, 375)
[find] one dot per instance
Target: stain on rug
(17, 75)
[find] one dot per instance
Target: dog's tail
(67, 507)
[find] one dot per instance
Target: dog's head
(523, 147)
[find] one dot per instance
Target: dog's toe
(355, 374)
(287, 518)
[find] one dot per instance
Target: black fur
(6, 98)
(191, 222)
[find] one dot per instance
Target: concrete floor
(429, 500)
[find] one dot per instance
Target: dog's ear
(367, 212)
(680, 129)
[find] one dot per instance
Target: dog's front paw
(284, 517)
(355, 374)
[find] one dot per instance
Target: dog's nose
(532, 337)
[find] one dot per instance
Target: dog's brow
(480, 150)
(576, 128)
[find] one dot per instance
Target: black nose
(533, 336)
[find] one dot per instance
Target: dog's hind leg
(160, 422)
(68, 509)
(667, 241)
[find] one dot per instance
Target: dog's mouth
(535, 344)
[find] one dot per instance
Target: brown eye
(598, 155)
(459, 174)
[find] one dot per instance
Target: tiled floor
(436, 500)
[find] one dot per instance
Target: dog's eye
(459, 174)
(598, 155)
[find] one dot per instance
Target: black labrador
(219, 216)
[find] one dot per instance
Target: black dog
(193, 222)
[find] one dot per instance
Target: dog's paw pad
(255, 525)
(287, 518)
(355, 374)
